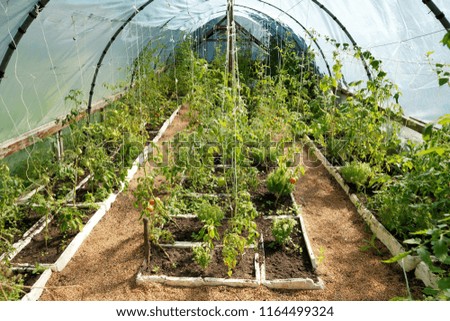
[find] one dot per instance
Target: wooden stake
(146, 243)
(59, 146)
(231, 33)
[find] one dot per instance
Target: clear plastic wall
(63, 45)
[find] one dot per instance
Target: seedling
(281, 182)
(371, 245)
(211, 216)
(282, 230)
(357, 173)
(202, 255)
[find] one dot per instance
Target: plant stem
(406, 280)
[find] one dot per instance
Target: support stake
(146, 244)
(59, 146)
(231, 34)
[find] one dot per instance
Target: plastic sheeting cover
(63, 45)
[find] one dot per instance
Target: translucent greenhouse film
(61, 48)
(266, 150)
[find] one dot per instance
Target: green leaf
(427, 132)
(446, 293)
(444, 283)
(421, 232)
(446, 40)
(334, 81)
(438, 150)
(440, 248)
(424, 255)
(444, 120)
(430, 291)
(375, 64)
(355, 83)
(397, 258)
(366, 54)
(382, 74)
(324, 85)
(443, 81)
(426, 258)
(412, 241)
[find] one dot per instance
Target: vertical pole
(59, 146)
(146, 244)
(231, 32)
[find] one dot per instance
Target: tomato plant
(10, 190)
(282, 180)
(282, 229)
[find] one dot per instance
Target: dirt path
(105, 266)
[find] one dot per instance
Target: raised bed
(255, 267)
(40, 224)
(185, 272)
(409, 263)
(63, 259)
(34, 283)
(288, 268)
(51, 255)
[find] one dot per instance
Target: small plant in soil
(244, 218)
(321, 256)
(70, 219)
(282, 229)
(11, 286)
(38, 269)
(10, 189)
(432, 246)
(211, 216)
(202, 255)
(371, 244)
(357, 173)
(154, 210)
(281, 182)
(233, 247)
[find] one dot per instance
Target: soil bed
(267, 204)
(287, 262)
(29, 279)
(24, 224)
(186, 229)
(105, 266)
(290, 261)
(182, 264)
(183, 229)
(282, 263)
(47, 246)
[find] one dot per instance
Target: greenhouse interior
(216, 150)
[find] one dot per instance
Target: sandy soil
(105, 266)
